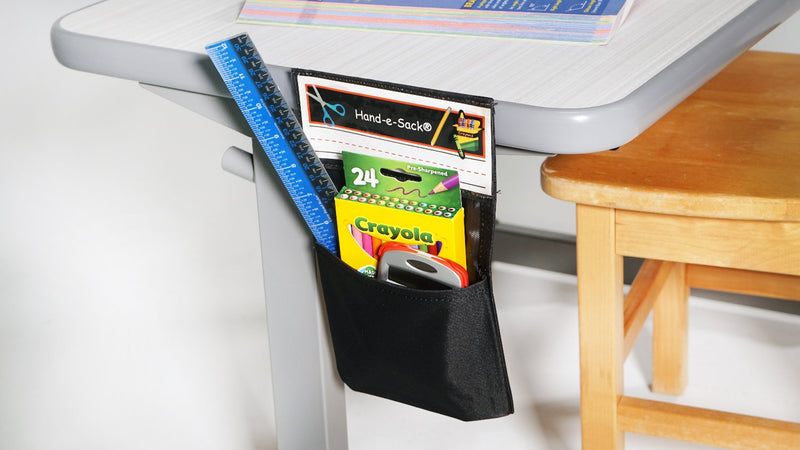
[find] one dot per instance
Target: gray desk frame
(309, 397)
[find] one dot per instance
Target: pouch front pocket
(438, 350)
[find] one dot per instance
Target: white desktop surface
(552, 97)
(549, 75)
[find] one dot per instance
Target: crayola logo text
(363, 224)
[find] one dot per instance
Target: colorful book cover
(578, 7)
(578, 21)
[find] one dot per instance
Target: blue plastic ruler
(279, 133)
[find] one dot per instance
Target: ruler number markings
(279, 133)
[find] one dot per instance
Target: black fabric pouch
(439, 350)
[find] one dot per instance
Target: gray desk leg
(309, 396)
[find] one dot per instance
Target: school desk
(553, 98)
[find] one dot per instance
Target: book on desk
(576, 21)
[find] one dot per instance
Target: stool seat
(731, 150)
(709, 197)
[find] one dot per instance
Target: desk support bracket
(309, 396)
(238, 162)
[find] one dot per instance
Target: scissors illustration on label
(326, 116)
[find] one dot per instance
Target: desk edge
(527, 127)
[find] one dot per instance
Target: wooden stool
(710, 197)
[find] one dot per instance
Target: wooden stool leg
(600, 310)
(670, 334)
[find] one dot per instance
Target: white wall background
(131, 311)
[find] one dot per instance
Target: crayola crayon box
(387, 200)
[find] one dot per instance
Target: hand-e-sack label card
(400, 123)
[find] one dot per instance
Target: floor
(131, 297)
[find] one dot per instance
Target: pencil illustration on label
(441, 125)
(446, 184)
